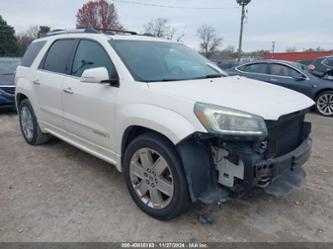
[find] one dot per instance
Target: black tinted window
(58, 58)
(328, 61)
(255, 68)
(31, 53)
(282, 70)
(90, 54)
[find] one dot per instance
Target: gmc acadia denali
(179, 129)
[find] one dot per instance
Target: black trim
(114, 75)
(42, 63)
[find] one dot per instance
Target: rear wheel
(155, 178)
(324, 103)
(29, 125)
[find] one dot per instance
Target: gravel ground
(55, 192)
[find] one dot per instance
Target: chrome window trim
(323, 62)
(10, 86)
(281, 63)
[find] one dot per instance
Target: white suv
(179, 129)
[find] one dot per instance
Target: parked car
(165, 116)
(321, 66)
(294, 76)
(7, 83)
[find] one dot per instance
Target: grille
(285, 135)
(9, 90)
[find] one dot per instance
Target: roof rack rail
(71, 31)
(93, 31)
(113, 31)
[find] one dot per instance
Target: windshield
(8, 66)
(150, 61)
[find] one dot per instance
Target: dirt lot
(55, 192)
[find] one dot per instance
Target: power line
(174, 7)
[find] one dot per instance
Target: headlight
(227, 121)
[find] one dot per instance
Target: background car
(294, 76)
(321, 66)
(7, 83)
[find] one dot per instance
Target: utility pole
(242, 3)
(273, 49)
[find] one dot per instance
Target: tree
(209, 41)
(159, 28)
(8, 45)
(98, 14)
(43, 31)
(24, 39)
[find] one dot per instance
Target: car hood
(7, 80)
(240, 93)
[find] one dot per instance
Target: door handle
(36, 82)
(273, 79)
(68, 90)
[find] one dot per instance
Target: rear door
(53, 70)
(89, 108)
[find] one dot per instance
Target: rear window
(31, 53)
(58, 58)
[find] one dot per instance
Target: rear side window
(58, 58)
(255, 68)
(90, 54)
(328, 61)
(32, 53)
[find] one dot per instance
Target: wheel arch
(134, 131)
(18, 99)
(321, 91)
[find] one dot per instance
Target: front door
(89, 108)
(283, 75)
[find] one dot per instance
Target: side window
(328, 61)
(255, 68)
(90, 54)
(32, 53)
(58, 58)
(283, 70)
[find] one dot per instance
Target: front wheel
(324, 103)
(155, 177)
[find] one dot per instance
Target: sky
(290, 23)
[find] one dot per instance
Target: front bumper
(284, 173)
(277, 176)
(6, 100)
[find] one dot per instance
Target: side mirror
(300, 78)
(98, 75)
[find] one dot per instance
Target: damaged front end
(221, 167)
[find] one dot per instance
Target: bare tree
(24, 39)
(291, 49)
(209, 41)
(32, 32)
(159, 28)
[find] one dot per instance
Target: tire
(169, 184)
(324, 103)
(29, 125)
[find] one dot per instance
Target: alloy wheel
(325, 104)
(151, 178)
(27, 122)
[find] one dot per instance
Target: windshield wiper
(6, 73)
(210, 76)
(164, 80)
